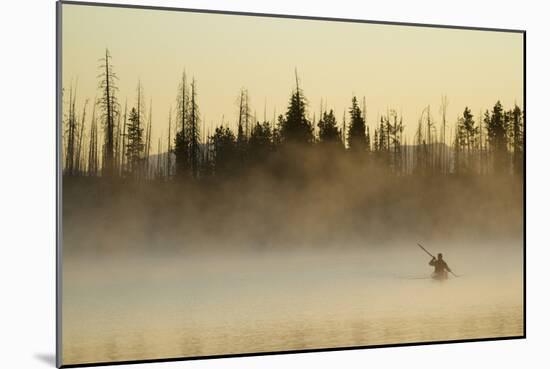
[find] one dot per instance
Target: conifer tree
(357, 139)
(135, 145)
(260, 142)
(470, 130)
(225, 151)
(517, 139)
(328, 129)
(295, 127)
(496, 126)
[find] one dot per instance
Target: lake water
(193, 305)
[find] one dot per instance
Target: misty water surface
(179, 305)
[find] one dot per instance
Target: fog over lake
(147, 307)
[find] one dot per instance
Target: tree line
(117, 141)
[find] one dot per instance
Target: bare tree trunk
(92, 153)
(71, 121)
(108, 164)
(159, 165)
(123, 154)
(80, 138)
(169, 145)
(444, 104)
(194, 131)
(148, 140)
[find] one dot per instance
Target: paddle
(427, 252)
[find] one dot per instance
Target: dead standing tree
(79, 162)
(443, 159)
(123, 139)
(148, 141)
(137, 166)
(169, 145)
(431, 135)
(93, 158)
(194, 130)
(394, 140)
(117, 148)
(70, 131)
(109, 105)
(181, 142)
(243, 125)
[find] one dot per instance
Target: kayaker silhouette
(440, 267)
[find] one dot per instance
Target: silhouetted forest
(323, 176)
(116, 141)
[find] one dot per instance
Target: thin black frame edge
(58, 183)
(59, 4)
(525, 184)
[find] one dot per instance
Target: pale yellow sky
(398, 67)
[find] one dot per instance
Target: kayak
(440, 276)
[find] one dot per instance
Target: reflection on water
(192, 306)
